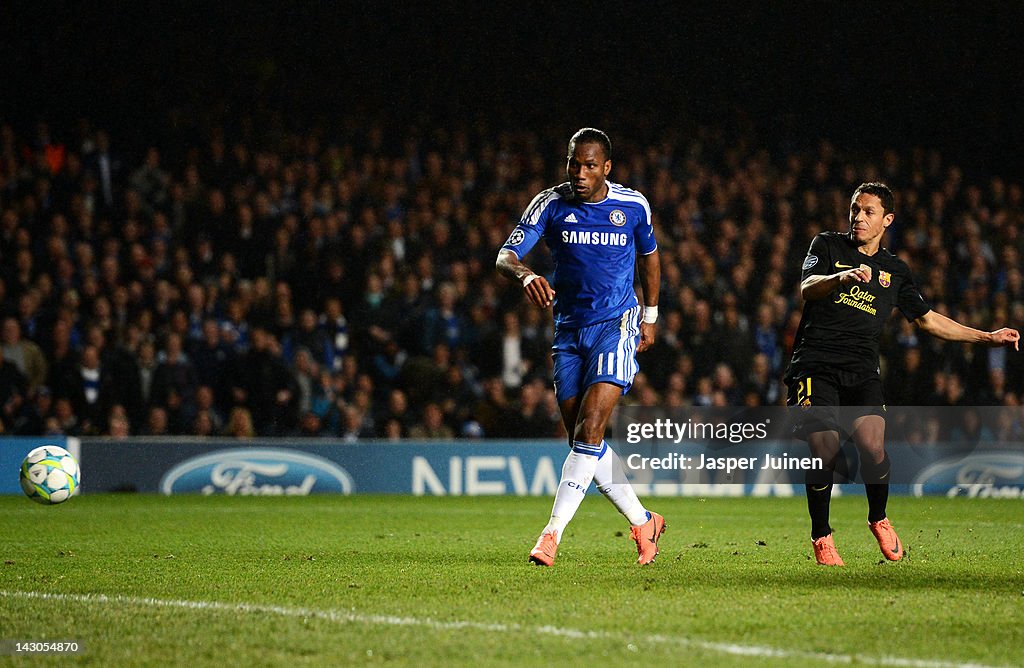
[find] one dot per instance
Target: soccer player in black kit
(850, 285)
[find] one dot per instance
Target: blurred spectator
(13, 393)
(118, 424)
(207, 406)
(261, 382)
(151, 182)
(307, 335)
(90, 388)
(699, 338)
(432, 425)
(396, 413)
(506, 353)
(354, 425)
(393, 430)
(24, 354)
(443, 324)
(388, 364)
(212, 357)
(107, 168)
(335, 327)
(762, 382)
(147, 366)
(32, 420)
(235, 327)
(203, 424)
(310, 425)
(457, 395)
(157, 423)
(766, 338)
(534, 418)
(174, 384)
(493, 412)
(240, 423)
(307, 378)
(705, 392)
(63, 421)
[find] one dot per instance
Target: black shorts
(832, 400)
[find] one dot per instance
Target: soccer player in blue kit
(596, 230)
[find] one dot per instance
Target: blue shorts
(604, 352)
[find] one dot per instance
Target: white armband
(650, 314)
(529, 279)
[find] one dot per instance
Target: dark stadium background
(944, 74)
(690, 94)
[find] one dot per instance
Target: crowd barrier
(459, 468)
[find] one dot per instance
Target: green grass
(321, 577)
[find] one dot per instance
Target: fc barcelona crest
(884, 278)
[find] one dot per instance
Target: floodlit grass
(146, 580)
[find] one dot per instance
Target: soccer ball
(49, 475)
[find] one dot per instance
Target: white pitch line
(341, 616)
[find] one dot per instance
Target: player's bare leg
(578, 470)
(869, 437)
(610, 476)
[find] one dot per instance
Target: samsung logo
(995, 475)
(594, 238)
(257, 472)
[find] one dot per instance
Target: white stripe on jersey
(537, 206)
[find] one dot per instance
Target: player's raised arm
(820, 286)
(536, 287)
(948, 329)
(650, 284)
(817, 281)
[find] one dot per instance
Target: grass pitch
(145, 580)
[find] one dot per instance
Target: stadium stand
(285, 282)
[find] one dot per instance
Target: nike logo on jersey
(843, 266)
(571, 218)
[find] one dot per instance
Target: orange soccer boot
(888, 542)
(825, 551)
(646, 536)
(543, 553)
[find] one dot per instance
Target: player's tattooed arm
(536, 287)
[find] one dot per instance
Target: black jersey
(842, 330)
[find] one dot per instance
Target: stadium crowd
(257, 281)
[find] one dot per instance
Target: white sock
(577, 474)
(611, 479)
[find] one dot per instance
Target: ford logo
(257, 472)
(978, 475)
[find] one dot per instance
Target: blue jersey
(594, 247)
